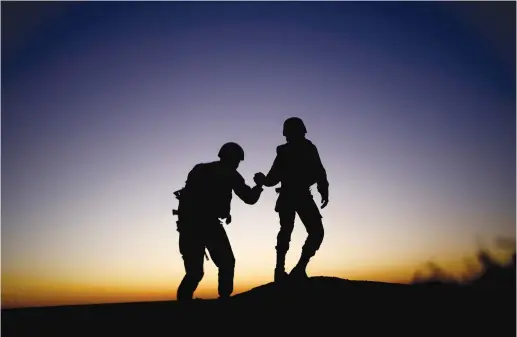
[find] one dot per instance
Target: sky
(107, 106)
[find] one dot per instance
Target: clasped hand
(259, 178)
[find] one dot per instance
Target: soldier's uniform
(204, 200)
(297, 167)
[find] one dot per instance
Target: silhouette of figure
(297, 167)
(203, 203)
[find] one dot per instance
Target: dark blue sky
(28, 39)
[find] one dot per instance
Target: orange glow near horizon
(37, 294)
(26, 291)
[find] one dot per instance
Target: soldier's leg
(192, 249)
(311, 218)
(220, 250)
(283, 239)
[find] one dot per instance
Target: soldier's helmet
(294, 126)
(231, 151)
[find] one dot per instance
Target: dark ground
(320, 305)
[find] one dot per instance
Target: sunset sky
(107, 106)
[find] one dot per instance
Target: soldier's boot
(280, 273)
(299, 271)
(188, 286)
(312, 244)
(225, 279)
(223, 298)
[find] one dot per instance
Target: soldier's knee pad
(285, 231)
(282, 247)
(283, 239)
(284, 235)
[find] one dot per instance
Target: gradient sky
(107, 106)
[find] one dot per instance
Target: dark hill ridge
(319, 287)
(322, 304)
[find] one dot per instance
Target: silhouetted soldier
(297, 167)
(203, 202)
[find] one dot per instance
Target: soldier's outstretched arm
(273, 176)
(244, 192)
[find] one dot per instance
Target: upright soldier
(203, 202)
(297, 167)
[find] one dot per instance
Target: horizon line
(174, 299)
